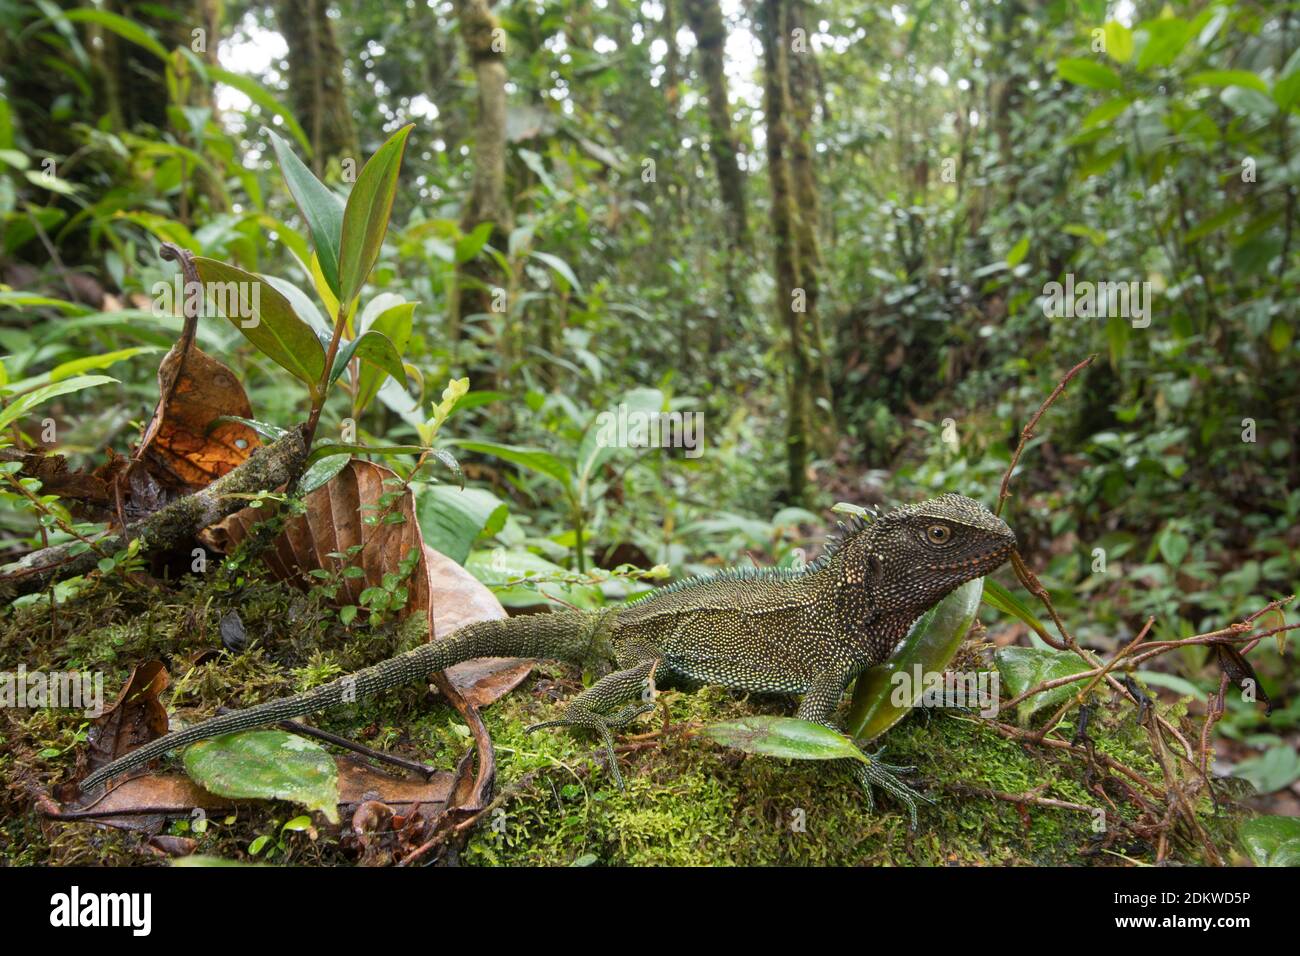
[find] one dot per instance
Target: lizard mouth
(990, 559)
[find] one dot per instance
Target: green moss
(688, 801)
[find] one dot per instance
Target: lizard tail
(567, 635)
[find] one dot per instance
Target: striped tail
(567, 635)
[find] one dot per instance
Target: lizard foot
(576, 715)
(885, 776)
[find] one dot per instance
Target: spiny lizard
(806, 632)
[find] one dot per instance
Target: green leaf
(396, 323)
(1088, 73)
(126, 29)
(1161, 41)
(258, 94)
(452, 519)
(1250, 102)
(1286, 91)
(266, 319)
(1119, 41)
(365, 218)
(1173, 546)
(74, 367)
(373, 347)
(1018, 253)
(600, 440)
(330, 449)
(1106, 112)
(266, 765)
(785, 737)
(498, 566)
(1024, 667)
(319, 206)
(1272, 841)
(467, 247)
(1276, 768)
(322, 470)
(24, 403)
(265, 429)
(534, 459)
(560, 266)
(931, 643)
(1000, 599)
(1219, 78)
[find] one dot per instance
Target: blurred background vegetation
(605, 198)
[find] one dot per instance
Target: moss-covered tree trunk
(316, 90)
(808, 212)
(790, 295)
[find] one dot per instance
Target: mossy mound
(688, 800)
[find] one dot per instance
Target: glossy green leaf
(375, 348)
(880, 698)
(322, 209)
(396, 323)
(266, 765)
(321, 471)
(784, 737)
(365, 217)
(1024, 667)
(264, 429)
(1272, 841)
(264, 316)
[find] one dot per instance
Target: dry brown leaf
(177, 444)
(335, 520)
(136, 718)
(194, 390)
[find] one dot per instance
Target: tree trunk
(776, 106)
(316, 90)
(705, 18)
(485, 44)
(808, 216)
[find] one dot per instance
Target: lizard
(805, 632)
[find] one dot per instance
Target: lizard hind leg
(609, 704)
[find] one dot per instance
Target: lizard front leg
(612, 702)
(818, 706)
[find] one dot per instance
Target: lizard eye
(938, 534)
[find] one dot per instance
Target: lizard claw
(884, 775)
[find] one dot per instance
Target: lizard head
(910, 558)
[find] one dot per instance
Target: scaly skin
(809, 632)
